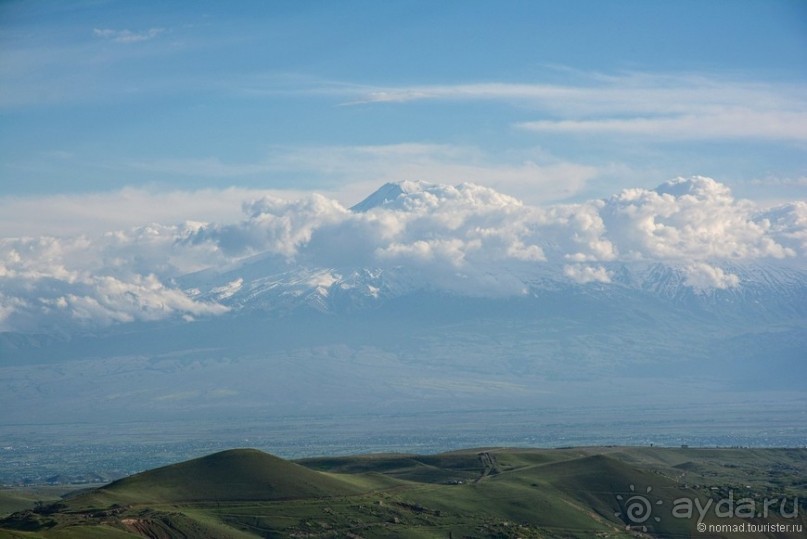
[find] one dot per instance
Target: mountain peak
(389, 192)
(417, 195)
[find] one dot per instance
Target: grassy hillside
(576, 492)
(19, 498)
(235, 475)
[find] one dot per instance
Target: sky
(180, 134)
(546, 101)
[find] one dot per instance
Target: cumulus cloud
(702, 276)
(63, 283)
(466, 239)
(787, 225)
(689, 219)
(587, 274)
(274, 225)
(460, 235)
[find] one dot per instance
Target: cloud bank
(467, 239)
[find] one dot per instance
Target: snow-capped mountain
(759, 288)
(421, 297)
(594, 261)
(687, 240)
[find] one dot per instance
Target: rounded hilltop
(235, 474)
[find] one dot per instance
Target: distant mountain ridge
(760, 287)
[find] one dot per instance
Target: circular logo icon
(637, 509)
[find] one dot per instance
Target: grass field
(574, 493)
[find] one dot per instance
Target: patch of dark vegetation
(27, 521)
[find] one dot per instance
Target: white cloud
(587, 274)
(49, 282)
(702, 276)
(717, 125)
(787, 224)
(208, 167)
(646, 93)
(451, 252)
(41, 67)
(662, 106)
(127, 36)
(470, 231)
(695, 219)
(530, 174)
(773, 181)
(467, 239)
(88, 213)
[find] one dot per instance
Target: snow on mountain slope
(760, 288)
(387, 194)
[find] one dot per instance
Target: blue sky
(129, 128)
(546, 101)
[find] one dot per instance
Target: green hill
(234, 475)
(475, 493)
